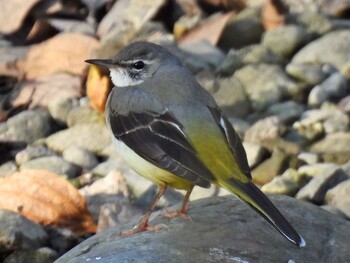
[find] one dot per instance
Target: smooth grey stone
(32, 152)
(222, 229)
(80, 157)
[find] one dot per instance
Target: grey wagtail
(170, 130)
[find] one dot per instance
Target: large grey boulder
(223, 229)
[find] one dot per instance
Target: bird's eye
(138, 65)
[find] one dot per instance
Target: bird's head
(136, 63)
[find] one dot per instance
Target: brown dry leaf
(97, 88)
(46, 198)
(210, 29)
(13, 13)
(273, 14)
(42, 91)
(65, 52)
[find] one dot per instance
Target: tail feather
(252, 195)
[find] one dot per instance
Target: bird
(170, 130)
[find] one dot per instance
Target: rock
(199, 192)
(62, 239)
(60, 108)
(117, 213)
(80, 157)
(316, 189)
(263, 130)
(286, 111)
(32, 152)
(270, 168)
(17, 232)
(41, 255)
(287, 184)
(232, 98)
(232, 62)
(336, 44)
(313, 170)
(109, 189)
(80, 135)
(335, 86)
(7, 168)
(292, 37)
(314, 22)
(241, 237)
(344, 104)
(26, 126)
(205, 53)
(339, 197)
(265, 84)
(333, 148)
(308, 158)
(54, 164)
(337, 121)
(241, 126)
(334, 211)
(247, 25)
(311, 74)
(255, 153)
(82, 115)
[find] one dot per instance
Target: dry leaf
(46, 198)
(97, 88)
(65, 52)
(209, 30)
(273, 14)
(13, 13)
(42, 91)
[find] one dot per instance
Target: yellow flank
(213, 150)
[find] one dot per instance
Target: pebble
(82, 115)
(80, 157)
(60, 108)
(308, 158)
(40, 255)
(286, 111)
(54, 164)
(32, 152)
(7, 168)
(339, 197)
(310, 74)
(255, 153)
(17, 232)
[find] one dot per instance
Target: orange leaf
(46, 198)
(210, 29)
(97, 88)
(64, 52)
(273, 14)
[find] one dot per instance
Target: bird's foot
(140, 228)
(176, 213)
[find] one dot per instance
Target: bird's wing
(151, 131)
(233, 140)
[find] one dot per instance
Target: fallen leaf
(210, 30)
(13, 13)
(43, 90)
(65, 52)
(273, 14)
(97, 88)
(46, 198)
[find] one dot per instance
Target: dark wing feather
(233, 139)
(158, 138)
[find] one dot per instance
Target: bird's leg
(143, 224)
(182, 212)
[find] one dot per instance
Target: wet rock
(26, 126)
(339, 197)
(316, 189)
(54, 164)
(292, 37)
(17, 232)
(80, 157)
(241, 236)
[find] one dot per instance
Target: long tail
(252, 195)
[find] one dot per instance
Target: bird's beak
(101, 62)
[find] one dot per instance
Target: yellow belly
(158, 176)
